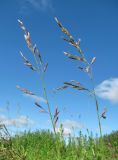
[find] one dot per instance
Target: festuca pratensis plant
(40, 67)
(87, 68)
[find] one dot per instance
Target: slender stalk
(97, 105)
(49, 110)
(45, 92)
(93, 87)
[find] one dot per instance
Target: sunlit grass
(41, 145)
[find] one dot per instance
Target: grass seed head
(93, 60)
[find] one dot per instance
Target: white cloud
(69, 125)
(36, 98)
(18, 122)
(39, 5)
(66, 131)
(72, 124)
(108, 89)
(3, 109)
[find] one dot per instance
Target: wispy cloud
(72, 124)
(41, 4)
(66, 131)
(69, 125)
(18, 122)
(36, 98)
(38, 5)
(3, 109)
(108, 89)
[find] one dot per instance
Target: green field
(43, 145)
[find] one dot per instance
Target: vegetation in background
(41, 145)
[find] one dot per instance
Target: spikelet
(72, 42)
(27, 37)
(22, 26)
(59, 23)
(63, 29)
(93, 60)
(73, 57)
(42, 110)
(24, 58)
(75, 86)
(26, 34)
(27, 63)
(45, 67)
(103, 115)
(66, 32)
(56, 116)
(86, 69)
(60, 88)
(36, 52)
(25, 90)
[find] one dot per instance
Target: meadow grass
(41, 145)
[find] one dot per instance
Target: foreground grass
(43, 145)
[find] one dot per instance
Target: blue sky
(96, 24)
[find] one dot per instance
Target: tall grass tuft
(39, 145)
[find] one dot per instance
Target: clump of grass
(7, 149)
(86, 68)
(111, 142)
(40, 145)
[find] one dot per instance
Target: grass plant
(86, 68)
(40, 68)
(39, 145)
